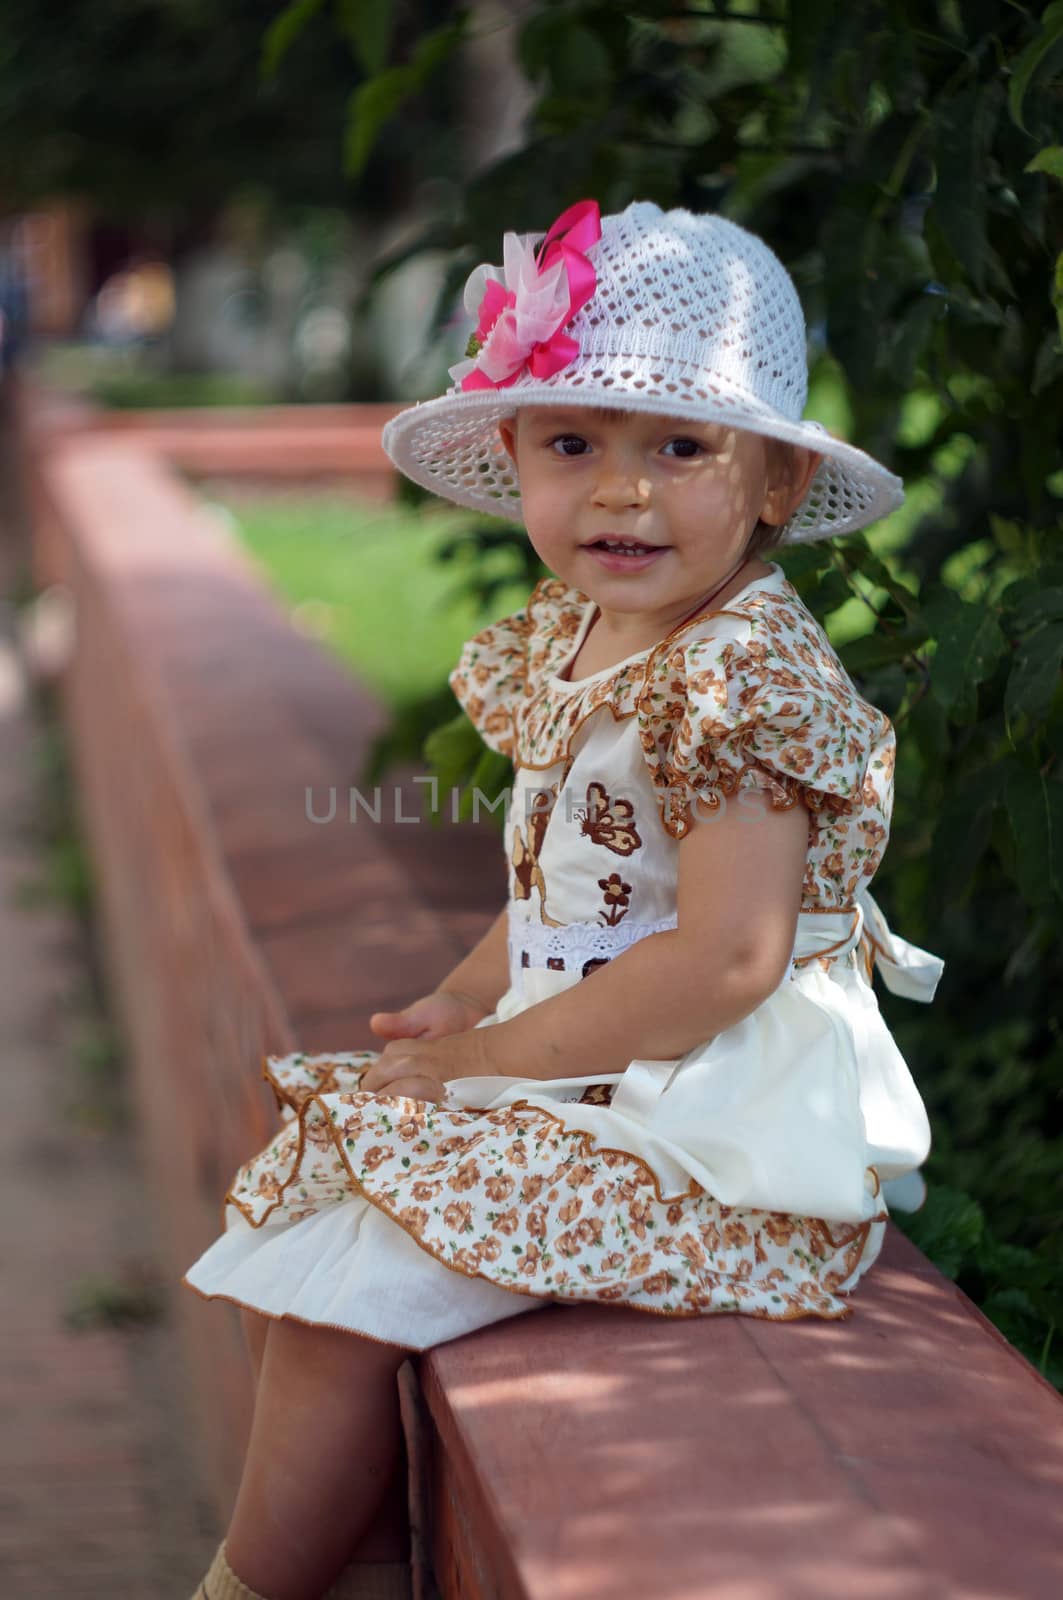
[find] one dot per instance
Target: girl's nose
(619, 484)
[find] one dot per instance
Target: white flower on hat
(522, 311)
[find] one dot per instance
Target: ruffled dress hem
(291, 1316)
(718, 1259)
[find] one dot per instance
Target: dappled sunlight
(724, 1448)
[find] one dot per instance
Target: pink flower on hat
(522, 312)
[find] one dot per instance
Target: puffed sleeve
(488, 681)
(500, 667)
(746, 709)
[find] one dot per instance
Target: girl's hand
(424, 1066)
(432, 1017)
(414, 1088)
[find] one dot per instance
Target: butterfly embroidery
(609, 822)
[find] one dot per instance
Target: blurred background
(247, 206)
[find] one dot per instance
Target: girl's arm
(483, 977)
(459, 1001)
(741, 871)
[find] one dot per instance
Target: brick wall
(233, 924)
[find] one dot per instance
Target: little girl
(661, 1080)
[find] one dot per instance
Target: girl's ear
(507, 432)
(790, 472)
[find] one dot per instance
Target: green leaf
(1016, 541)
(459, 759)
(912, 335)
(368, 25)
(877, 649)
(1035, 810)
(928, 727)
(1034, 677)
(852, 245)
(1026, 64)
(831, 591)
(1050, 160)
(803, 563)
(452, 749)
(1048, 363)
(964, 127)
(1040, 605)
(535, 42)
(806, 23)
(963, 828)
(371, 105)
(948, 1227)
(969, 646)
(580, 64)
(1013, 1312)
(283, 31)
(374, 103)
(877, 572)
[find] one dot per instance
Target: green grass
(163, 391)
(126, 380)
(363, 580)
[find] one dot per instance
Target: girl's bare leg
(255, 1328)
(388, 1536)
(325, 1447)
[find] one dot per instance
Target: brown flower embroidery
(609, 822)
(593, 964)
(617, 895)
(595, 1094)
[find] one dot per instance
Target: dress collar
(582, 609)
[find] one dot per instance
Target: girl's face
(682, 497)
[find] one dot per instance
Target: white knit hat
(679, 314)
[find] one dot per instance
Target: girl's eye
(569, 444)
(684, 448)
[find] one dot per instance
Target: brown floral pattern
(617, 896)
(514, 1196)
(489, 680)
(719, 709)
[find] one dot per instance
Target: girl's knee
(253, 1323)
(255, 1328)
(315, 1342)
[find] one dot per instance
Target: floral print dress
(749, 1175)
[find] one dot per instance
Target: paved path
(97, 1493)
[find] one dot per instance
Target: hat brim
(452, 447)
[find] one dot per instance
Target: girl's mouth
(624, 555)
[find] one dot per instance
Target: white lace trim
(577, 943)
(589, 941)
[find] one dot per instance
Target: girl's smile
(644, 513)
(624, 555)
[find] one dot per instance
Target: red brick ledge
(573, 1453)
(318, 444)
(234, 925)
